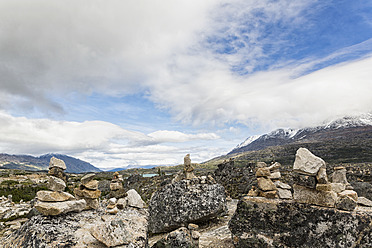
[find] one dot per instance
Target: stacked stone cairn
(88, 190)
(269, 184)
(188, 170)
(116, 186)
(311, 183)
(55, 201)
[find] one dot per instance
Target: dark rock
(304, 180)
(363, 189)
(346, 203)
(183, 202)
(260, 222)
(180, 238)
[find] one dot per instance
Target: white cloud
(101, 143)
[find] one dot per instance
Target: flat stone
(282, 185)
(55, 162)
(311, 196)
(364, 201)
(56, 208)
(113, 210)
(93, 185)
(87, 178)
(304, 180)
(192, 226)
(338, 187)
(56, 184)
(265, 184)
(284, 193)
(134, 199)
(350, 193)
(86, 193)
(53, 196)
(253, 192)
(324, 187)
(57, 172)
(263, 172)
(274, 167)
(346, 203)
(307, 163)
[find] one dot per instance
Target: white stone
(364, 201)
(134, 199)
(338, 187)
(282, 185)
(307, 163)
(55, 162)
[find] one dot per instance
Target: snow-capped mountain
(329, 130)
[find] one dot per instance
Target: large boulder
(187, 201)
(78, 230)
(134, 199)
(260, 222)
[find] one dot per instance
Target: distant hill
(345, 140)
(26, 162)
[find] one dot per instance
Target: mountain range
(26, 162)
(347, 139)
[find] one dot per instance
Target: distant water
(149, 175)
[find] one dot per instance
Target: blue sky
(134, 83)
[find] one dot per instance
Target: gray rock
(338, 187)
(57, 208)
(350, 193)
(304, 180)
(122, 203)
(364, 201)
(339, 176)
(56, 184)
(117, 231)
(307, 163)
(134, 199)
(260, 222)
(346, 203)
(93, 185)
(321, 177)
(183, 202)
(180, 238)
(55, 162)
(284, 193)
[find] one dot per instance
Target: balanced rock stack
(55, 201)
(269, 184)
(116, 186)
(88, 190)
(188, 170)
(310, 180)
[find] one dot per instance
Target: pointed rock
(307, 163)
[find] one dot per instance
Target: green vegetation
(22, 193)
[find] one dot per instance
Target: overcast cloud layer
(187, 75)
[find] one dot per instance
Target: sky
(145, 82)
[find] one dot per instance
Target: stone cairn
(269, 184)
(116, 186)
(187, 170)
(88, 190)
(55, 201)
(311, 183)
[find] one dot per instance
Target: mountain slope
(26, 162)
(333, 130)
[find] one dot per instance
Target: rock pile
(55, 201)
(269, 184)
(12, 214)
(88, 190)
(187, 170)
(116, 186)
(132, 199)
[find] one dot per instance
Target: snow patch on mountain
(249, 140)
